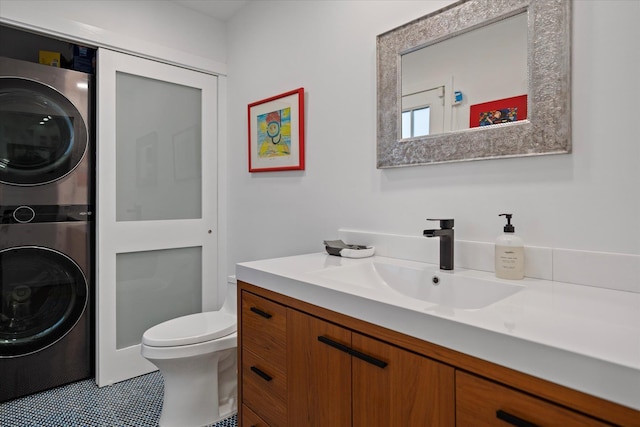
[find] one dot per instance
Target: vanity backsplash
(600, 269)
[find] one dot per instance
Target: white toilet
(196, 355)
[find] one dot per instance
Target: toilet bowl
(196, 355)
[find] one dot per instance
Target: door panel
(319, 375)
(156, 204)
(411, 390)
(152, 286)
(158, 163)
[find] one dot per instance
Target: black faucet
(445, 233)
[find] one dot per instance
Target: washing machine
(45, 298)
(45, 134)
(46, 190)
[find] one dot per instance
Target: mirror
(478, 79)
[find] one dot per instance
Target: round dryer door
(43, 294)
(43, 136)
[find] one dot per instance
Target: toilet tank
(231, 300)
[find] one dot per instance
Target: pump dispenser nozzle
(508, 228)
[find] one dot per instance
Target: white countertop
(585, 338)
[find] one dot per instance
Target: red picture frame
(500, 111)
(276, 133)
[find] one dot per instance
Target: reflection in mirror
(483, 65)
(479, 79)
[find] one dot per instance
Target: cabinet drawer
(250, 419)
(264, 328)
(480, 402)
(264, 388)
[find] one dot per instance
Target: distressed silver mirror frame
(547, 129)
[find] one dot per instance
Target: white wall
(588, 200)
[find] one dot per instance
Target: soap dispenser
(509, 253)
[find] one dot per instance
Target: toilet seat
(191, 329)
(190, 351)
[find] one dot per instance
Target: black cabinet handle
(512, 419)
(379, 363)
(261, 313)
(334, 344)
(355, 353)
(261, 374)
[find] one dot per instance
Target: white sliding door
(156, 204)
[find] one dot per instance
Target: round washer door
(43, 136)
(43, 294)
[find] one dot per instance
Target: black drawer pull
(369, 359)
(334, 344)
(512, 419)
(261, 374)
(355, 353)
(261, 313)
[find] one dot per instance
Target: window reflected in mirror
(416, 122)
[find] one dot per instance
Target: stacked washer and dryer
(46, 237)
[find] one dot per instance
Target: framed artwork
(500, 111)
(276, 133)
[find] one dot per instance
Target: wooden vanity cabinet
(319, 368)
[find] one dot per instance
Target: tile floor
(133, 403)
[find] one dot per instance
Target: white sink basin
(451, 289)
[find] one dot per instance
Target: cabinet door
(411, 390)
(319, 374)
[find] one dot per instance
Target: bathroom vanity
(326, 341)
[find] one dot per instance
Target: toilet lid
(191, 329)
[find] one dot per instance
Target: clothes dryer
(45, 134)
(45, 298)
